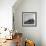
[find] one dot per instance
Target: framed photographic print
(29, 19)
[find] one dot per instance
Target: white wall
(43, 22)
(33, 33)
(6, 13)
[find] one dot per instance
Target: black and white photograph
(29, 19)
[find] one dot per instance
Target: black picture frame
(29, 19)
